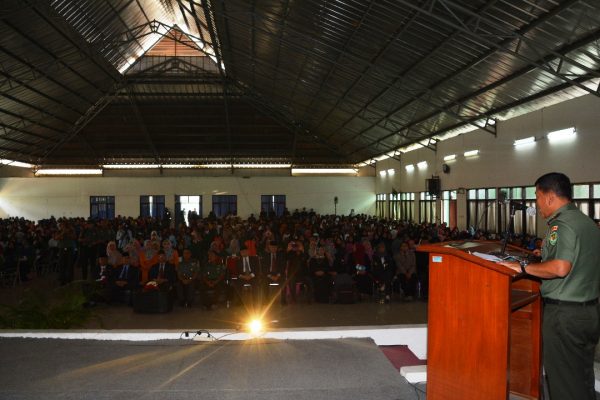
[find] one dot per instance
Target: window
(449, 212)
(272, 204)
(407, 211)
(102, 207)
(427, 208)
(152, 206)
(224, 204)
(596, 200)
(524, 223)
(380, 205)
(482, 209)
(185, 207)
(587, 198)
(394, 206)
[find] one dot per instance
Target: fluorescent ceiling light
(323, 171)
(382, 173)
(51, 172)
(422, 165)
(262, 165)
(180, 166)
(130, 166)
(471, 153)
(391, 171)
(562, 134)
(13, 163)
(450, 157)
(409, 168)
(527, 140)
(214, 165)
(382, 157)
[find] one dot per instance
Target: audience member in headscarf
(113, 255)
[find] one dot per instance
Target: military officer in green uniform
(570, 272)
(212, 279)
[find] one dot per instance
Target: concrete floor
(291, 316)
(299, 315)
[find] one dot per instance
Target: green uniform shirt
(572, 236)
(188, 268)
(212, 272)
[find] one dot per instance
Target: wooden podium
(483, 325)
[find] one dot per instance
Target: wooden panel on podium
(484, 326)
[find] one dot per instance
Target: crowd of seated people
(227, 259)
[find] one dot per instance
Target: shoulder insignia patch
(553, 238)
(554, 228)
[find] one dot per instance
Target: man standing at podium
(570, 272)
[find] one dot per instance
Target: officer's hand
(537, 253)
(515, 266)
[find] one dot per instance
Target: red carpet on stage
(401, 356)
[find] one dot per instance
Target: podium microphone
(515, 205)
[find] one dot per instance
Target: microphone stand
(484, 214)
(509, 229)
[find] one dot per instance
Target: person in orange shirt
(148, 257)
(250, 244)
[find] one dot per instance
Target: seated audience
(187, 277)
(273, 263)
(296, 267)
(125, 280)
(247, 285)
(318, 267)
(406, 271)
(163, 273)
(383, 271)
(171, 254)
(148, 258)
(113, 254)
(284, 243)
(212, 280)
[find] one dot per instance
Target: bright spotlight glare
(255, 327)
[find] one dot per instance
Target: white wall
(499, 162)
(37, 198)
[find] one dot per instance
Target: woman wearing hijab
(148, 257)
(171, 254)
(113, 255)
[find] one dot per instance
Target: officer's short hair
(557, 183)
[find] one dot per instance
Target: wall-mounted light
(422, 165)
(391, 172)
(527, 140)
(70, 172)
(562, 134)
(471, 153)
(450, 157)
(13, 163)
(409, 168)
(382, 173)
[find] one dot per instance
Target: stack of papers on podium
(489, 257)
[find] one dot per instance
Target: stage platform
(265, 369)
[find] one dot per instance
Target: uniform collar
(566, 207)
